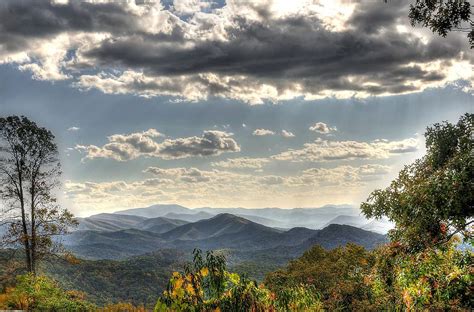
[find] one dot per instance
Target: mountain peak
(155, 210)
(230, 217)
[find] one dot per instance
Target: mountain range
(311, 218)
(139, 231)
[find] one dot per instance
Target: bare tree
(29, 174)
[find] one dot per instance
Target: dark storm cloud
(368, 55)
(42, 18)
(23, 20)
(297, 49)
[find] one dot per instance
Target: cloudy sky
(223, 104)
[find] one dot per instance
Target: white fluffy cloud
(323, 128)
(126, 147)
(190, 175)
(242, 162)
(211, 143)
(324, 150)
(262, 132)
(341, 175)
(287, 134)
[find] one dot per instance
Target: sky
(229, 104)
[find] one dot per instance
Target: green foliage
(138, 280)
(443, 16)
(433, 198)
(298, 298)
(122, 307)
(206, 285)
(431, 202)
(336, 275)
(39, 293)
(386, 279)
(435, 279)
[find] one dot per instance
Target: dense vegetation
(138, 280)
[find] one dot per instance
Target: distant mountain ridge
(223, 231)
(109, 222)
(160, 224)
(312, 218)
(154, 211)
(190, 217)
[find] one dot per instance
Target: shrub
(41, 293)
(206, 285)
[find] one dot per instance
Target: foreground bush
(435, 279)
(39, 293)
(389, 278)
(208, 286)
(337, 276)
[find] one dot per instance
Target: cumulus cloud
(253, 51)
(211, 143)
(323, 128)
(191, 175)
(190, 6)
(271, 180)
(341, 175)
(287, 134)
(126, 147)
(262, 132)
(73, 129)
(242, 162)
(324, 150)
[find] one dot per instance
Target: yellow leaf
(204, 271)
(189, 278)
(190, 289)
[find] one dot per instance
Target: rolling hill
(337, 235)
(160, 224)
(190, 217)
(357, 221)
(109, 222)
(220, 225)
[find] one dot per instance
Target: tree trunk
(33, 230)
(26, 239)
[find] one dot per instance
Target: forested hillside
(141, 279)
(138, 280)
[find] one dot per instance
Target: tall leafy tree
(442, 16)
(29, 175)
(433, 198)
